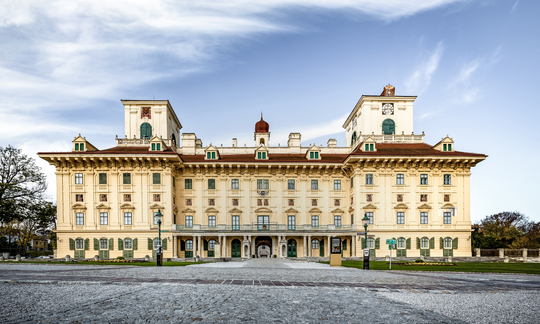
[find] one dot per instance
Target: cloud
(421, 77)
(461, 84)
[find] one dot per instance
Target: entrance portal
(263, 247)
(291, 248)
(236, 248)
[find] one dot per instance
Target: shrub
(419, 261)
(120, 258)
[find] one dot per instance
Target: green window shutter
(441, 243)
(76, 146)
(153, 146)
(164, 244)
(135, 244)
(205, 245)
(408, 243)
(371, 147)
(111, 244)
(321, 248)
(150, 244)
(159, 146)
(378, 243)
(363, 243)
(432, 243)
(450, 252)
(120, 244)
(86, 244)
(344, 245)
(449, 147)
(417, 243)
(72, 244)
(182, 245)
(96, 244)
(311, 155)
(367, 147)
(454, 243)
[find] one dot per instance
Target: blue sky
(64, 66)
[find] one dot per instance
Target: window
(447, 243)
(189, 202)
(314, 184)
(369, 179)
(156, 146)
(447, 217)
(211, 155)
(79, 198)
(337, 221)
(401, 217)
(352, 199)
(128, 218)
(103, 244)
(266, 202)
(291, 223)
(400, 198)
(127, 178)
(401, 243)
(261, 155)
(211, 184)
(103, 218)
(212, 244)
(313, 155)
(127, 244)
(156, 243)
(446, 147)
(370, 216)
(235, 202)
(189, 221)
(189, 245)
(315, 244)
(446, 198)
(369, 147)
(157, 197)
(352, 219)
(370, 244)
(313, 202)
(337, 202)
(174, 182)
(423, 198)
(188, 184)
(127, 197)
(290, 184)
(369, 197)
(146, 130)
(79, 244)
(155, 219)
(103, 178)
(211, 202)
(156, 178)
(211, 221)
(262, 184)
(352, 182)
(291, 202)
(400, 179)
(78, 178)
(79, 218)
(423, 179)
(103, 197)
(236, 223)
(259, 202)
(423, 218)
(425, 243)
(76, 146)
(337, 184)
(235, 184)
(447, 179)
(315, 221)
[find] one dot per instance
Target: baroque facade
(263, 200)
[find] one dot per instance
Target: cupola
(261, 126)
(262, 134)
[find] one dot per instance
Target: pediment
(235, 211)
(211, 210)
(351, 209)
(78, 206)
(424, 206)
(157, 206)
(369, 206)
(188, 211)
(338, 211)
(448, 206)
(261, 210)
(401, 206)
(127, 206)
(102, 206)
(315, 210)
(175, 209)
(261, 148)
(291, 211)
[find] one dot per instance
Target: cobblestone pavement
(260, 291)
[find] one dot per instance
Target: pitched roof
(404, 149)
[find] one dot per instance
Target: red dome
(261, 126)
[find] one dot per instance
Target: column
(175, 246)
(224, 254)
(253, 252)
(274, 246)
(309, 246)
(280, 254)
(200, 246)
(194, 246)
(328, 245)
(305, 246)
(353, 249)
(244, 253)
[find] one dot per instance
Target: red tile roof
(410, 149)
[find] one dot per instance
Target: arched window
(425, 243)
(127, 244)
(156, 243)
(447, 243)
(211, 244)
(370, 244)
(261, 142)
(353, 139)
(173, 138)
(146, 131)
(315, 244)
(189, 245)
(401, 243)
(388, 127)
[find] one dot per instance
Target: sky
(65, 65)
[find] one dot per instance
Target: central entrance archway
(291, 248)
(263, 247)
(236, 248)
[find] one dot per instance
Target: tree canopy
(510, 230)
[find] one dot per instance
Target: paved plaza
(261, 291)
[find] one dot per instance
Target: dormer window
(79, 146)
(261, 155)
(211, 153)
(447, 147)
(156, 146)
(369, 147)
(313, 153)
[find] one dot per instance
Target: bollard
(524, 255)
(68, 258)
(501, 253)
(18, 257)
(147, 258)
(96, 257)
(506, 259)
(477, 252)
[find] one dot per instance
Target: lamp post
(159, 252)
(366, 255)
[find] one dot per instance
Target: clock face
(388, 109)
(388, 92)
(354, 122)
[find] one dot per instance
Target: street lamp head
(366, 220)
(158, 216)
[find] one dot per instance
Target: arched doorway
(291, 248)
(388, 127)
(263, 247)
(236, 248)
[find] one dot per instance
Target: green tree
(506, 230)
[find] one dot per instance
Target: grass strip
(140, 264)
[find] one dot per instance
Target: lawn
(139, 264)
(532, 268)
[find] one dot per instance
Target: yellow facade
(264, 200)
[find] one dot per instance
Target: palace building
(264, 200)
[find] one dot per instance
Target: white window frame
(400, 217)
(424, 179)
(128, 244)
(424, 243)
(424, 218)
(315, 244)
(447, 178)
(291, 185)
(400, 179)
(337, 184)
(370, 244)
(104, 218)
(314, 184)
(401, 243)
(447, 217)
(189, 221)
(79, 218)
(337, 220)
(79, 244)
(103, 244)
(447, 243)
(314, 221)
(128, 218)
(235, 184)
(370, 216)
(78, 178)
(369, 179)
(212, 221)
